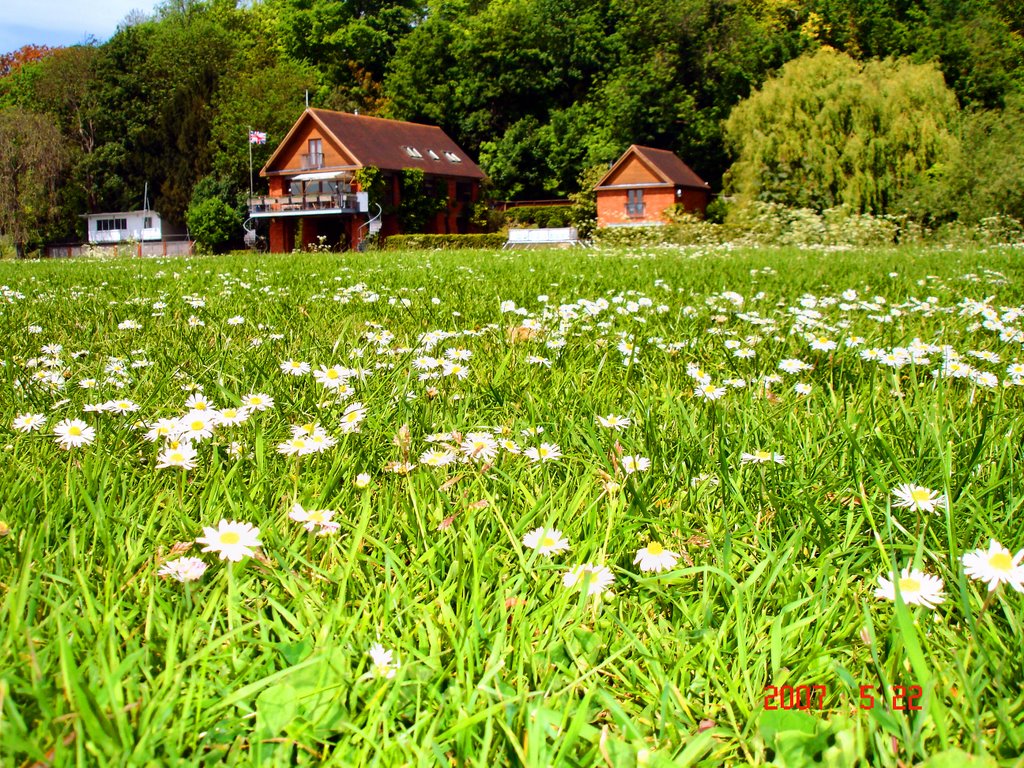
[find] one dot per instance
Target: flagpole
(249, 137)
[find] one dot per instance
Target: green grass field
(403, 617)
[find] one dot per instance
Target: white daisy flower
(28, 422)
(918, 498)
(543, 452)
(183, 569)
(546, 541)
(916, 588)
(611, 421)
(631, 464)
(655, 558)
(596, 579)
(383, 662)
(295, 367)
(996, 566)
(73, 433)
(762, 457)
(182, 455)
(231, 540)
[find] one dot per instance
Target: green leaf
(957, 758)
(276, 709)
(776, 721)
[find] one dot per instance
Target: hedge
(539, 216)
(443, 242)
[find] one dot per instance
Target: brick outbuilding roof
(662, 163)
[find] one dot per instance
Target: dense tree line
(541, 91)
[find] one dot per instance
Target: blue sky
(62, 22)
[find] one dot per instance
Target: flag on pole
(257, 137)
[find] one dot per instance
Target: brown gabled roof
(664, 164)
(385, 144)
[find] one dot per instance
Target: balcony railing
(268, 204)
(313, 160)
(635, 210)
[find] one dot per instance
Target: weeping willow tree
(830, 131)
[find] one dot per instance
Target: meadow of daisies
(537, 508)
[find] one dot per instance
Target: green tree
(349, 42)
(32, 157)
(985, 178)
(61, 85)
(212, 222)
(829, 131)
(420, 201)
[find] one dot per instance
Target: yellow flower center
(317, 516)
(230, 537)
(920, 495)
(75, 431)
(547, 541)
(198, 425)
(762, 455)
(1001, 561)
(176, 458)
(332, 374)
(200, 406)
(910, 585)
(654, 548)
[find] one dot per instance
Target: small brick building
(314, 192)
(643, 183)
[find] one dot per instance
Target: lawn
(542, 508)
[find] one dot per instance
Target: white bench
(545, 236)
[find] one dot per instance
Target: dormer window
(413, 152)
(452, 157)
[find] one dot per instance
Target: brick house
(643, 183)
(313, 187)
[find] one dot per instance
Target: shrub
(634, 237)
(212, 222)
(539, 216)
(443, 242)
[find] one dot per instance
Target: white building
(126, 226)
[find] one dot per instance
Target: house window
(452, 157)
(315, 154)
(147, 222)
(635, 203)
(413, 152)
(433, 155)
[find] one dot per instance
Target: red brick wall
(277, 186)
(695, 200)
(282, 235)
(611, 205)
